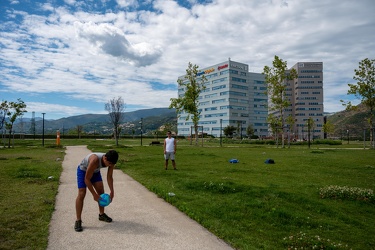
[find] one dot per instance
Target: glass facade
(233, 96)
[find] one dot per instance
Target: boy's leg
(173, 161)
(166, 164)
(99, 188)
(79, 202)
(81, 192)
(166, 157)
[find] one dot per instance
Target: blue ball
(104, 200)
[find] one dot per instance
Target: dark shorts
(81, 178)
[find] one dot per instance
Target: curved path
(141, 220)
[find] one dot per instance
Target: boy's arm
(110, 181)
(93, 164)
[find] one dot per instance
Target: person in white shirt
(170, 150)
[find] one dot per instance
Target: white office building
(233, 96)
(306, 97)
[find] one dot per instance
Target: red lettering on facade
(222, 67)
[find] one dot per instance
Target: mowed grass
(253, 205)
(250, 205)
(27, 195)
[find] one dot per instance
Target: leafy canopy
(189, 101)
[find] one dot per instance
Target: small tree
(229, 130)
(189, 102)
(4, 106)
(115, 108)
(14, 110)
(276, 78)
(290, 122)
(364, 89)
(79, 130)
(328, 127)
(274, 124)
(310, 127)
(250, 131)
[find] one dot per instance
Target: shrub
(347, 193)
(327, 141)
(303, 241)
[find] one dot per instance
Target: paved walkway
(141, 220)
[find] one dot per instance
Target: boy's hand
(96, 197)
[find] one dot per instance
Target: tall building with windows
(306, 97)
(233, 96)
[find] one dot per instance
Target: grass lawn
(27, 195)
(253, 205)
(250, 204)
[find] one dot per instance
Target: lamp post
(221, 139)
(347, 131)
(141, 122)
(241, 131)
(43, 130)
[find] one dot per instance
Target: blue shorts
(81, 178)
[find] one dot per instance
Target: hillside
(354, 122)
(100, 123)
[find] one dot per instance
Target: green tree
(79, 130)
(328, 127)
(290, 121)
(276, 78)
(4, 106)
(275, 125)
(189, 101)
(229, 130)
(115, 108)
(13, 111)
(364, 89)
(310, 127)
(250, 130)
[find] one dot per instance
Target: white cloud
(63, 110)
(127, 3)
(91, 56)
(111, 40)
(70, 2)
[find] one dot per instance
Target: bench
(155, 143)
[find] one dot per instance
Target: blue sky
(70, 57)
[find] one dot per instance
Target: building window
(236, 86)
(220, 80)
(224, 72)
(210, 76)
(219, 87)
(210, 109)
(218, 101)
(211, 95)
(236, 79)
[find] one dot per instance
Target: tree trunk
(196, 134)
(10, 135)
(116, 135)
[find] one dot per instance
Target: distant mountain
(351, 123)
(99, 122)
(343, 121)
